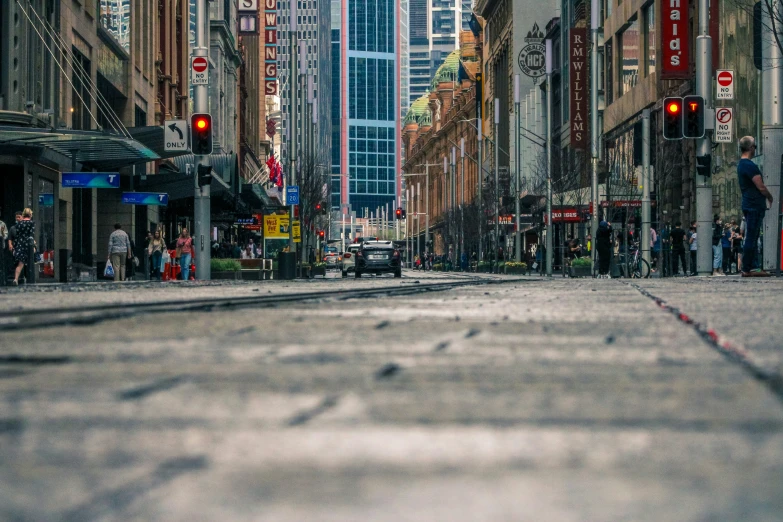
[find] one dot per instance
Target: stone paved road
(562, 400)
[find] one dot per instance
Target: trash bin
(286, 265)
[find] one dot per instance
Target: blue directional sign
(292, 195)
(46, 200)
(91, 180)
(145, 198)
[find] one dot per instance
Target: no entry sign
(199, 70)
(725, 87)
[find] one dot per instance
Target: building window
(649, 38)
(629, 57)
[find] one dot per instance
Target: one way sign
(175, 134)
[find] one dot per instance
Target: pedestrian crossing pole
(202, 208)
(703, 145)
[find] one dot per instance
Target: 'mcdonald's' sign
(674, 39)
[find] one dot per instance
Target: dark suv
(378, 257)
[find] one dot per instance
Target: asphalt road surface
(521, 400)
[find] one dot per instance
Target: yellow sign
(276, 227)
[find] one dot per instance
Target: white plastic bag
(108, 272)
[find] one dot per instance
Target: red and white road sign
(724, 125)
(199, 73)
(725, 87)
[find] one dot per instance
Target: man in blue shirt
(754, 204)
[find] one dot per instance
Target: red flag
(279, 175)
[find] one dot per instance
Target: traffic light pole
(201, 201)
(703, 146)
(772, 127)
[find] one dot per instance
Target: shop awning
(102, 151)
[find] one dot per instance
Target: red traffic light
(673, 107)
(321, 234)
(318, 207)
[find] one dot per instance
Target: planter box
(581, 271)
(231, 275)
(512, 270)
(319, 271)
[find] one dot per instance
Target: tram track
(94, 314)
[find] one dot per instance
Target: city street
(514, 399)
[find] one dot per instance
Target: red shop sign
(674, 39)
(569, 215)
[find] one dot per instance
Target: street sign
(292, 195)
(175, 133)
(199, 70)
(91, 180)
(145, 198)
(724, 125)
(725, 85)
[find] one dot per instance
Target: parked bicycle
(638, 267)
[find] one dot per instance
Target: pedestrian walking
(665, 237)
(754, 204)
(725, 245)
(155, 249)
(24, 239)
(184, 253)
(119, 251)
(717, 249)
(604, 248)
(736, 247)
(693, 248)
(655, 246)
(677, 236)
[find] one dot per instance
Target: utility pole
(549, 228)
(595, 133)
(202, 208)
(480, 172)
(703, 146)
(453, 212)
(646, 210)
(462, 199)
(497, 184)
(772, 126)
(294, 86)
(517, 192)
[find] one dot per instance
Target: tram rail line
(93, 314)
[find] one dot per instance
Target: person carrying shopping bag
(155, 251)
(119, 251)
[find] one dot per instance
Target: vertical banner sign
(270, 47)
(578, 86)
(674, 39)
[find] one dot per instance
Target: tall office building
(405, 87)
(467, 11)
(314, 35)
(434, 34)
(366, 97)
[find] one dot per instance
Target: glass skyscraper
(366, 101)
